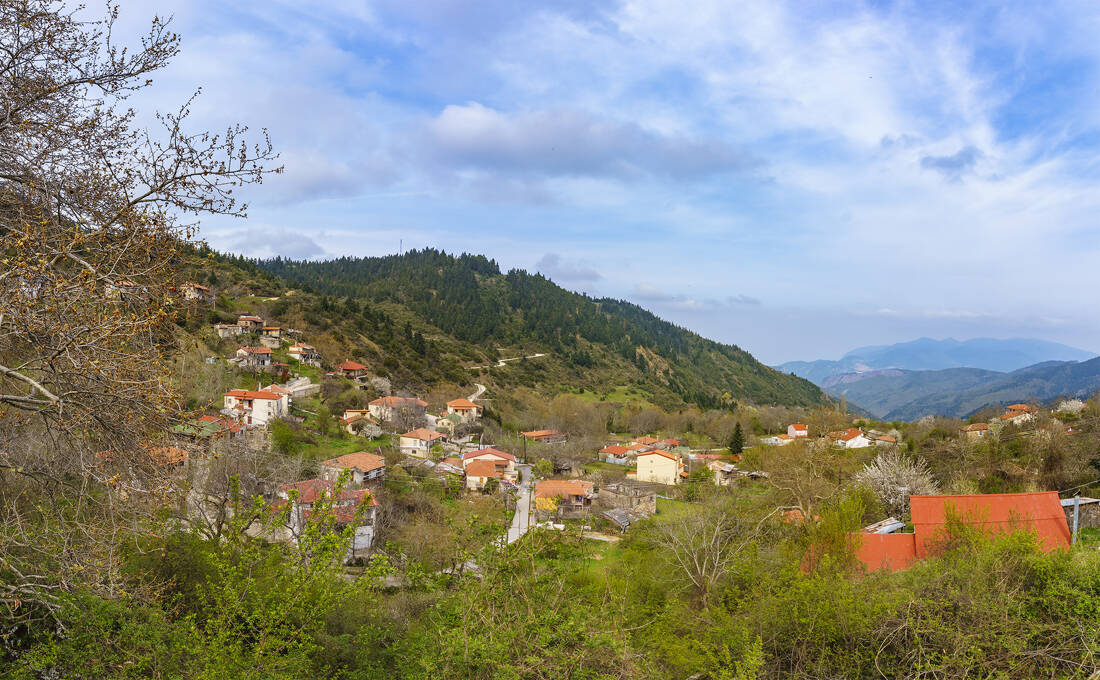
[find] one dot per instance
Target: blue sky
(796, 178)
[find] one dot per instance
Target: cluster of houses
(849, 438)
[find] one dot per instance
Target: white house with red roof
(661, 467)
(465, 409)
(798, 430)
(505, 462)
(419, 442)
(852, 438)
(256, 407)
(350, 507)
(197, 292)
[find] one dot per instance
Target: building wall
(656, 468)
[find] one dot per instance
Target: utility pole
(1076, 515)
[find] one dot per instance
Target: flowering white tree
(893, 477)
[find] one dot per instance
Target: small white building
(227, 330)
(419, 442)
(305, 354)
(257, 407)
(254, 357)
(852, 438)
(797, 430)
(387, 408)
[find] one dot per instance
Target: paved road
(480, 391)
(504, 361)
(521, 521)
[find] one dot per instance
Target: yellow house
(661, 467)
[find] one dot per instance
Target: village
(444, 444)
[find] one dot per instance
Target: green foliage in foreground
(558, 606)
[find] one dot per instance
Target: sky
(796, 178)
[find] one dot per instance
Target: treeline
(466, 297)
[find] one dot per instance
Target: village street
(521, 521)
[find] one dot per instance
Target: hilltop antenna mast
(401, 246)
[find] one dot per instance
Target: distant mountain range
(927, 354)
(959, 392)
(950, 377)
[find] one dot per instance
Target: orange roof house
(543, 436)
(615, 450)
(1040, 513)
(646, 441)
(463, 404)
(365, 467)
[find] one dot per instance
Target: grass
(328, 446)
(671, 505)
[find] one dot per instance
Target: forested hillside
(467, 304)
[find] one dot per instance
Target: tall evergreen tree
(737, 441)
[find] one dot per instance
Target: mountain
(959, 392)
(927, 354)
(461, 311)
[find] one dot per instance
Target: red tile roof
(798, 427)
(488, 451)
(463, 404)
(397, 402)
(1027, 408)
(615, 450)
(976, 427)
(252, 394)
(350, 366)
(360, 460)
(311, 489)
(645, 441)
(255, 350)
(659, 452)
(552, 488)
(423, 434)
(846, 435)
(482, 468)
(541, 434)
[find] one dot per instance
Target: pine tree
(737, 441)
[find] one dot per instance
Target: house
(466, 409)
(976, 431)
(257, 407)
(350, 507)
(479, 472)
(448, 423)
(545, 436)
(852, 438)
(272, 331)
(196, 292)
(125, 290)
(351, 369)
(304, 354)
(366, 468)
(1018, 414)
(250, 323)
(1041, 513)
(796, 430)
(205, 430)
(565, 498)
(254, 358)
(724, 473)
(645, 441)
(619, 455)
(884, 440)
(504, 463)
(227, 330)
(387, 408)
(638, 498)
(362, 425)
(419, 442)
(661, 467)
(777, 440)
